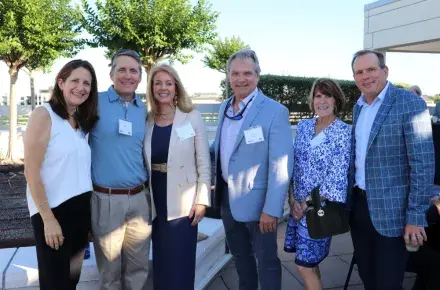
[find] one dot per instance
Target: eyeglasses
(239, 115)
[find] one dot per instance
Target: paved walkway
(334, 268)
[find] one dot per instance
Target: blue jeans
(245, 241)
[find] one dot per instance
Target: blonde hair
(181, 100)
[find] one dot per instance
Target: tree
(33, 33)
(435, 98)
(31, 74)
(44, 63)
(402, 85)
(156, 29)
(30, 71)
(221, 51)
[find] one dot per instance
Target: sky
(314, 38)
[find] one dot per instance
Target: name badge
(318, 139)
(125, 127)
(254, 135)
(186, 131)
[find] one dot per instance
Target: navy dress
(174, 241)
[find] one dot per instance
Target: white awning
(402, 26)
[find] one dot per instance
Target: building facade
(402, 26)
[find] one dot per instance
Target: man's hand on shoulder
(268, 223)
(415, 235)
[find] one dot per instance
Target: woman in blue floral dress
(321, 157)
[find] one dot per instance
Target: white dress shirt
(362, 134)
(230, 129)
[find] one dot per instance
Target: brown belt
(162, 167)
(129, 191)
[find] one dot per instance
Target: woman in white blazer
(177, 158)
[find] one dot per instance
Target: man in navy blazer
(391, 173)
(253, 151)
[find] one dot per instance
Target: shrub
(293, 93)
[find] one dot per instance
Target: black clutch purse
(326, 218)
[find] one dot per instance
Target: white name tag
(319, 139)
(125, 127)
(254, 135)
(186, 131)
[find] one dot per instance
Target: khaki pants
(121, 230)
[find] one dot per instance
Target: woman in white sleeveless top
(57, 169)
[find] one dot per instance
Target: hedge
(293, 93)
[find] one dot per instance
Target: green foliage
(228, 93)
(21, 120)
(157, 29)
(402, 85)
(33, 33)
(293, 92)
(221, 50)
(435, 98)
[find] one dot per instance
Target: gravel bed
(15, 224)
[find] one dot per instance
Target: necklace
(72, 115)
(321, 123)
(162, 114)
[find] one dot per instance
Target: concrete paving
(334, 268)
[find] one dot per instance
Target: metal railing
(210, 118)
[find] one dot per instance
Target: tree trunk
(11, 155)
(32, 83)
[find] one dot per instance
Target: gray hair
(416, 90)
(244, 54)
(379, 55)
(127, 52)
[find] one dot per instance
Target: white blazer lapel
(147, 143)
(179, 119)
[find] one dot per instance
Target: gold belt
(162, 167)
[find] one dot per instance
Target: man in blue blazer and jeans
(391, 173)
(253, 151)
